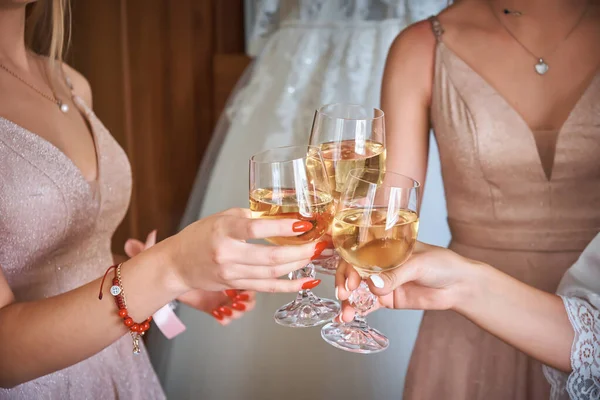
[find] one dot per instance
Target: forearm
(529, 319)
(47, 335)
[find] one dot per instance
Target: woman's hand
(223, 306)
(433, 278)
(212, 254)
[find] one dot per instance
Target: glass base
(327, 265)
(306, 311)
(355, 337)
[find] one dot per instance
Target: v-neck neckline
(531, 133)
(91, 185)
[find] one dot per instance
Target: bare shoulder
(414, 45)
(81, 86)
(410, 62)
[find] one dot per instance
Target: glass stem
(306, 272)
(359, 321)
(362, 300)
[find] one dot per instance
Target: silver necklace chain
(62, 106)
(541, 67)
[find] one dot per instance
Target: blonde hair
(47, 29)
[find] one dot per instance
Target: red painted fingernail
(311, 284)
(302, 226)
(238, 306)
(319, 249)
(242, 297)
(225, 311)
(217, 315)
(231, 293)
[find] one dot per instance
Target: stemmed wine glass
(290, 182)
(350, 136)
(375, 229)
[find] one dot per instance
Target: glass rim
(352, 173)
(309, 149)
(377, 110)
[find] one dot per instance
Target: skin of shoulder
(410, 60)
(406, 99)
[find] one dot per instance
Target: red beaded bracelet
(135, 329)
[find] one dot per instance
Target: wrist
(471, 288)
(161, 256)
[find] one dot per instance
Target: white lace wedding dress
(308, 53)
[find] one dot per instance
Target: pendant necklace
(541, 67)
(64, 107)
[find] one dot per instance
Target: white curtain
(308, 53)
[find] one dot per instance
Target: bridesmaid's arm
(212, 254)
(406, 98)
(76, 325)
(529, 319)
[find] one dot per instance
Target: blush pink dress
(525, 202)
(55, 235)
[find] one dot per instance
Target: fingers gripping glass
(291, 183)
(349, 136)
(375, 230)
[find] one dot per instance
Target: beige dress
(55, 235)
(510, 207)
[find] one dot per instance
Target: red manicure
(225, 311)
(231, 293)
(242, 297)
(302, 226)
(238, 306)
(319, 249)
(217, 315)
(311, 284)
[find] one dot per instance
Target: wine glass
(350, 136)
(375, 229)
(290, 182)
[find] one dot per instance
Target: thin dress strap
(437, 28)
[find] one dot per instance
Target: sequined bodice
(56, 227)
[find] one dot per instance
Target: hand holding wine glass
(375, 229)
(433, 278)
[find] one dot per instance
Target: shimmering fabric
(511, 208)
(55, 235)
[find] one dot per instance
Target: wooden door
(160, 71)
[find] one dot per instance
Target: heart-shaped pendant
(541, 67)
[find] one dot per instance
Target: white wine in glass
(375, 240)
(284, 203)
(342, 157)
(350, 136)
(375, 230)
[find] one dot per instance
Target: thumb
(385, 283)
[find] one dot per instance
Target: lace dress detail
(583, 383)
(270, 15)
(580, 291)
